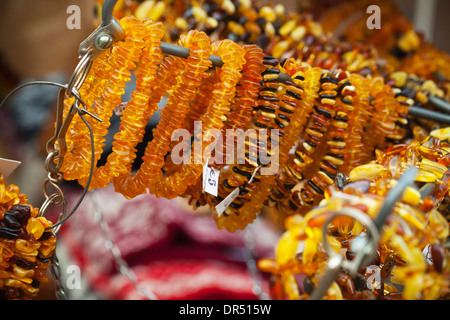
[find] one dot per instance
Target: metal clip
(105, 35)
(363, 247)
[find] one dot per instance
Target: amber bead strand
(382, 122)
(312, 138)
(170, 68)
(26, 248)
(251, 197)
(232, 56)
(75, 161)
(358, 122)
(286, 178)
(400, 131)
(314, 189)
(172, 117)
(123, 58)
(135, 116)
(240, 115)
(200, 103)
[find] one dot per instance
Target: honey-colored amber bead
(442, 134)
(411, 196)
(157, 11)
(432, 167)
(27, 247)
(35, 227)
(367, 172)
(287, 27)
(199, 13)
(22, 273)
(143, 10)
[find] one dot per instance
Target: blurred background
(35, 44)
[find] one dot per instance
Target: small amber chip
(35, 227)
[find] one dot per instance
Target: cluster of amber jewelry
(308, 35)
(342, 106)
(26, 249)
(332, 119)
(411, 262)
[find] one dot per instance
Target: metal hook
(107, 33)
(363, 247)
(80, 73)
(64, 217)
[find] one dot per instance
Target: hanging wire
(121, 264)
(249, 237)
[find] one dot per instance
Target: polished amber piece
(20, 244)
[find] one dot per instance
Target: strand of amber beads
(308, 79)
(122, 58)
(137, 112)
(26, 249)
(358, 122)
(172, 117)
(382, 122)
(170, 69)
(232, 56)
(240, 114)
(247, 205)
(313, 190)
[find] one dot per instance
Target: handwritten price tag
(210, 179)
(225, 203)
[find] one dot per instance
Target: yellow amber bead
(157, 11)
(442, 134)
(286, 248)
(426, 176)
(143, 10)
(27, 247)
(211, 23)
(290, 286)
(411, 196)
(433, 167)
(199, 14)
(298, 33)
(22, 273)
(279, 9)
(268, 13)
(287, 27)
(35, 227)
(280, 48)
(228, 6)
(409, 41)
(181, 23)
(400, 78)
(367, 172)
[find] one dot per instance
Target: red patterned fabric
(174, 253)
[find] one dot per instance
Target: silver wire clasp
(364, 247)
(107, 33)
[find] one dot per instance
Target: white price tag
(225, 203)
(220, 208)
(8, 166)
(210, 179)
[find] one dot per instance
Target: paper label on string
(225, 203)
(8, 166)
(210, 179)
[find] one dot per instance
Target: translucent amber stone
(35, 227)
(367, 172)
